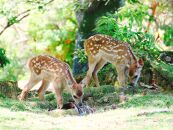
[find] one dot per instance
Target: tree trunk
(86, 21)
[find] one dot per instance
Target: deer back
(109, 49)
(50, 68)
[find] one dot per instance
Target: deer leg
(58, 92)
(33, 81)
(91, 64)
(122, 72)
(42, 89)
(96, 70)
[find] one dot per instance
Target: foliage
(129, 24)
(51, 29)
(12, 71)
(15, 70)
(133, 15)
(168, 35)
(3, 59)
(48, 29)
(81, 55)
(142, 43)
(13, 10)
(166, 70)
(105, 77)
(56, 33)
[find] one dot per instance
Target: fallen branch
(154, 86)
(153, 112)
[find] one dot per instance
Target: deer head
(77, 92)
(135, 72)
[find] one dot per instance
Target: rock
(122, 97)
(105, 99)
(114, 106)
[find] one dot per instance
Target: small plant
(3, 59)
(81, 55)
(168, 35)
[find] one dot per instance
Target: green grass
(152, 111)
(120, 119)
(150, 100)
(15, 105)
(101, 96)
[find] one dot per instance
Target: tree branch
(153, 8)
(159, 42)
(4, 29)
(21, 16)
(18, 19)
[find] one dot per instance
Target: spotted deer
(101, 49)
(49, 69)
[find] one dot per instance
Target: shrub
(142, 43)
(3, 59)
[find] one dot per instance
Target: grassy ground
(146, 110)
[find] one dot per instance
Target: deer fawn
(102, 49)
(49, 69)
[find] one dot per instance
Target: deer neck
(133, 59)
(70, 79)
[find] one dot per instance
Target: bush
(3, 59)
(142, 43)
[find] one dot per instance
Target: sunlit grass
(150, 100)
(152, 111)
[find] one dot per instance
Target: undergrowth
(98, 97)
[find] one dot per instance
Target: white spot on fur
(33, 61)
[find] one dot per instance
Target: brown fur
(49, 69)
(101, 49)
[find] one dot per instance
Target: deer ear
(70, 83)
(83, 83)
(141, 62)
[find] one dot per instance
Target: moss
(150, 100)
(164, 69)
(98, 92)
